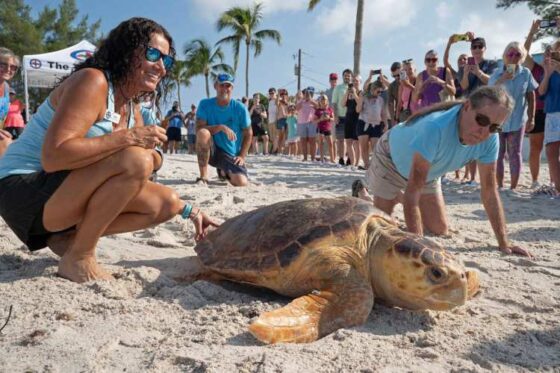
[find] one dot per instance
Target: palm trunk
(179, 92)
(358, 36)
(207, 86)
(247, 71)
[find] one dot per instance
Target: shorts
(282, 124)
(373, 130)
(307, 130)
(225, 162)
(173, 134)
(552, 128)
(350, 125)
(191, 139)
(339, 128)
(540, 117)
(14, 131)
(258, 131)
(383, 179)
(325, 132)
(22, 202)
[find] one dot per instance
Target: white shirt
(272, 111)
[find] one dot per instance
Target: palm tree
(244, 22)
(179, 78)
(202, 59)
(357, 35)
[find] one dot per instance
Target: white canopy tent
(45, 70)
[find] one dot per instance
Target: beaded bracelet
(186, 211)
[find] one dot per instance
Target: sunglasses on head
(154, 55)
(514, 54)
(431, 59)
(483, 121)
(9, 66)
(477, 46)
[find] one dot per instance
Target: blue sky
(393, 30)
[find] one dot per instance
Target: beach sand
(147, 320)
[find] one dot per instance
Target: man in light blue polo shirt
(409, 160)
(226, 124)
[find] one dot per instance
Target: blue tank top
(24, 155)
(5, 102)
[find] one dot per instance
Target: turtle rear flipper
(315, 315)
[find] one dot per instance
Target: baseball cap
(310, 89)
(333, 76)
(225, 78)
(478, 40)
(12, 91)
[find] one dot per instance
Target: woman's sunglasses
(483, 121)
(514, 54)
(431, 59)
(8, 66)
(154, 55)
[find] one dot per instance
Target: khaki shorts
(383, 179)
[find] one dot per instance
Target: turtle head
(416, 273)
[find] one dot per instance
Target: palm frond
(269, 34)
(312, 4)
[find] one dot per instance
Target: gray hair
(482, 96)
(7, 54)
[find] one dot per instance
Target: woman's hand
(201, 223)
(147, 137)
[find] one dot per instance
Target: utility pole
(299, 70)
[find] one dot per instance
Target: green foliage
(544, 9)
(243, 23)
(53, 29)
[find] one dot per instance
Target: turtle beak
(450, 295)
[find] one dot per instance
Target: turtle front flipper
(315, 315)
(473, 284)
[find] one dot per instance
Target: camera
(545, 23)
(376, 72)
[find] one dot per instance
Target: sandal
(546, 190)
(201, 181)
(357, 186)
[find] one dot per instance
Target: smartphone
(403, 75)
(471, 61)
(376, 72)
(510, 68)
(555, 55)
(461, 37)
(545, 23)
(350, 85)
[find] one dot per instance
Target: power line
(314, 80)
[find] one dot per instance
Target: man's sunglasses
(483, 121)
(154, 55)
(8, 66)
(477, 46)
(396, 76)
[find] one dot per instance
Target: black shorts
(258, 131)
(14, 131)
(225, 162)
(173, 134)
(372, 130)
(350, 125)
(540, 116)
(22, 201)
(325, 132)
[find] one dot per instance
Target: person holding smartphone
(9, 65)
(521, 85)
(433, 83)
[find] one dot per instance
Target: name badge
(112, 117)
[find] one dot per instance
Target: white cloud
(443, 11)
(210, 8)
(380, 17)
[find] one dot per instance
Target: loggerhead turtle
(334, 255)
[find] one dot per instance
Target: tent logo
(35, 63)
(81, 54)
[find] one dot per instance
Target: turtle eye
(436, 274)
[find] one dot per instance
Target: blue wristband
(186, 211)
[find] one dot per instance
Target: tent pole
(27, 108)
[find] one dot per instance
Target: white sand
(147, 321)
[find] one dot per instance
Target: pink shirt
(14, 117)
(306, 112)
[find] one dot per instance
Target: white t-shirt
(272, 111)
(371, 110)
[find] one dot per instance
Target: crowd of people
(83, 166)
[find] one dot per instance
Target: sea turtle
(334, 255)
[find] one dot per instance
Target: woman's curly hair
(116, 53)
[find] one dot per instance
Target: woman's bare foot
(80, 268)
(59, 243)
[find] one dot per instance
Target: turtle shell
(273, 236)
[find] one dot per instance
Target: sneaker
(535, 185)
(341, 161)
(348, 162)
(361, 168)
